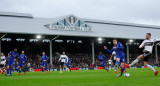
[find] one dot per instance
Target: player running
(44, 63)
(11, 63)
(21, 65)
(147, 52)
(68, 64)
(63, 59)
(103, 59)
(118, 48)
(7, 63)
(3, 62)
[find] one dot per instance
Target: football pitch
(138, 77)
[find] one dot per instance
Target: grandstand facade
(21, 25)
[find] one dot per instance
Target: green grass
(138, 77)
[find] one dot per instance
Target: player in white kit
(2, 64)
(63, 59)
(147, 52)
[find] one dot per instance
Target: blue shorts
(68, 65)
(121, 57)
(21, 65)
(10, 63)
(44, 64)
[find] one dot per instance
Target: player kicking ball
(21, 65)
(118, 48)
(147, 52)
(44, 63)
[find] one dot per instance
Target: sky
(131, 11)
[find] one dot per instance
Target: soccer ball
(126, 75)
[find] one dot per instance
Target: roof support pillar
(156, 52)
(93, 59)
(50, 51)
(127, 52)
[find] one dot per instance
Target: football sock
(122, 69)
(7, 71)
(150, 67)
(10, 71)
(134, 62)
(60, 69)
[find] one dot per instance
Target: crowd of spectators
(79, 61)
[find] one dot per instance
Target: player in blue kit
(21, 65)
(68, 64)
(103, 59)
(13, 55)
(118, 48)
(44, 63)
(7, 63)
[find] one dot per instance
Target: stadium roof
(21, 23)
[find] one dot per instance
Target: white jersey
(109, 62)
(3, 61)
(114, 55)
(63, 58)
(148, 44)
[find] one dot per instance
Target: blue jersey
(8, 59)
(119, 49)
(69, 60)
(23, 58)
(13, 56)
(102, 58)
(44, 57)
(9, 62)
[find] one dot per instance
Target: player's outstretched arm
(156, 40)
(109, 51)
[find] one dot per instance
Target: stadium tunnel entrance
(53, 45)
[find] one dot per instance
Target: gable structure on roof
(71, 23)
